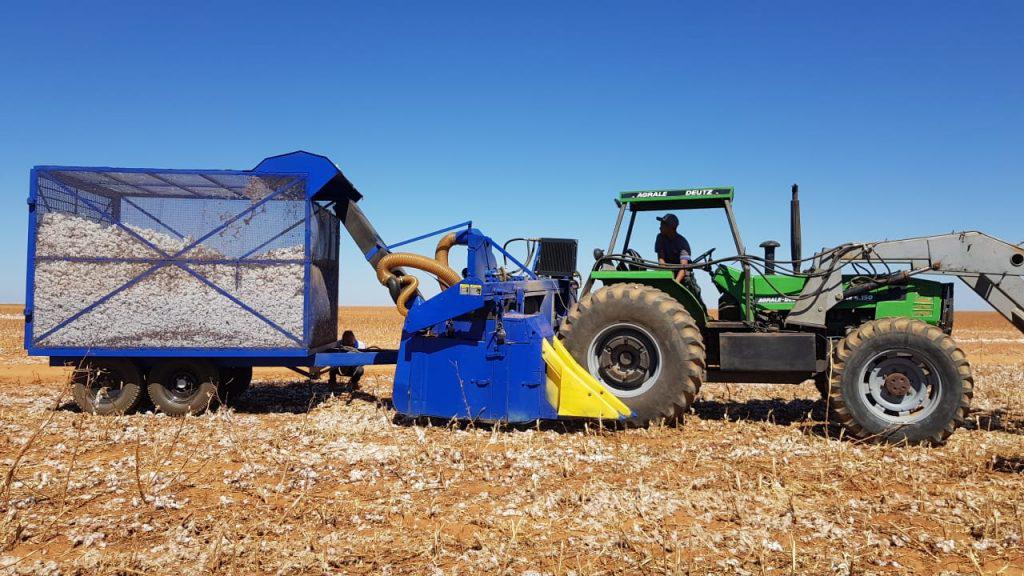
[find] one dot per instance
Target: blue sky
(896, 118)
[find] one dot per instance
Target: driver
(673, 248)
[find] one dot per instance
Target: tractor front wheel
(642, 345)
(898, 380)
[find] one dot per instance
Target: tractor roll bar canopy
(682, 199)
(678, 199)
(675, 199)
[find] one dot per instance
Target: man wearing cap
(672, 247)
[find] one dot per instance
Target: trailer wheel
(183, 386)
(107, 386)
(234, 381)
(898, 380)
(642, 345)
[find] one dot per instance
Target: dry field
(295, 480)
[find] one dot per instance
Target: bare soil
(295, 480)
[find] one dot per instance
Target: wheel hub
(900, 386)
(183, 385)
(104, 386)
(897, 384)
(625, 360)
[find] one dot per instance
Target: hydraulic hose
(834, 255)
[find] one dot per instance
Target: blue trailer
(174, 284)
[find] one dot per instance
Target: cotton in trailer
(133, 262)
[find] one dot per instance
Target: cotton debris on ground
(297, 478)
(170, 307)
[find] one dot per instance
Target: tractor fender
(675, 290)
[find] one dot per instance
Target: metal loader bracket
(991, 267)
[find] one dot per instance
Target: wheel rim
(900, 386)
(104, 386)
(625, 358)
(182, 386)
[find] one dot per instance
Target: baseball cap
(669, 219)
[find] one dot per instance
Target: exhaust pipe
(769, 256)
(795, 238)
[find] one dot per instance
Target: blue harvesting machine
(484, 348)
(183, 284)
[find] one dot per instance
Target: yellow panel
(577, 392)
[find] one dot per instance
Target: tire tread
(682, 322)
(846, 347)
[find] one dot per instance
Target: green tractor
(855, 319)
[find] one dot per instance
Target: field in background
(295, 480)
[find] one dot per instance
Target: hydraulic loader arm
(991, 267)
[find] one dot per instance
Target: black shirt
(672, 249)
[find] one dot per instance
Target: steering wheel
(624, 264)
(705, 256)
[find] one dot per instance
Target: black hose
(754, 261)
(531, 247)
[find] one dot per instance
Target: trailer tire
(662, 343)
(234, 381)
(898, 380)
(183, 386)
(107, 386)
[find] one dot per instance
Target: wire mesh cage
(128, 259)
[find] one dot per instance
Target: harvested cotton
(170, 307)
(63, 234)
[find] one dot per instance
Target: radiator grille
(556, 257)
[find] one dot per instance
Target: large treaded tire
(107, 386)
(821, 383)
(180, 386)
(682, 355)
(234, 381)
(851, 407)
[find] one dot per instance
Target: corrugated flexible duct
(437, 266)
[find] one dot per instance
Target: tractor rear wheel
(181, 386)
(821, 382)
(107, 386)
(642, 345)
(898, 380)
